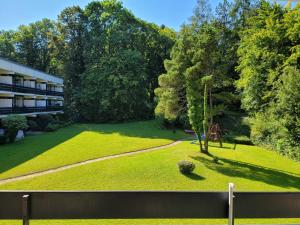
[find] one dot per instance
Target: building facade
(27, 91)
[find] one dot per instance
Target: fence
(28, 205)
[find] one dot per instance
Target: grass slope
(77, 143)
(250, 168)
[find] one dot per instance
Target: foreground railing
(28, 205)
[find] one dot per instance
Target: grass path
(80, 142)
(58, 169)
(250, 168)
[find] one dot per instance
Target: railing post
(230, 204)
(25, 209)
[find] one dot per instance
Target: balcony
(20, 110)
(29, 90)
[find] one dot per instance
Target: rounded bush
(2, 139)
(33, 125)
(52, 127)
(186, 167)
(44, 120)
(12, 124)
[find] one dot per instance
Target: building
(27, 91)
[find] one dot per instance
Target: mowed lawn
(80, 142)
(250, 168)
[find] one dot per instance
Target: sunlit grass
(251, 168)
(79, 142)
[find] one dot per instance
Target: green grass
(251, 169)
(79, 142)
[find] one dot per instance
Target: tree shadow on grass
(139, 129)
(12, 155)
(233, 168)
(193, 176)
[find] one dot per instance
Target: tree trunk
(205, 119)
(210, 106)
(200, 143)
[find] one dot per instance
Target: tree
(171, 93)
(204, 69)
(7, 47)
(115, 89)
(70, 53)
(269, 66)
(33, 44)
(112, 28)
(207, 83)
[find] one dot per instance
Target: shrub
(186, 167)
(33, 125)
(2, 139)
(12, 124)
(44, 120)
(52, 127)
(65, 124)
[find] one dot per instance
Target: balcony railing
(28, 205)
(20, 110)
(22, 89)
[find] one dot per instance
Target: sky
(172, 13)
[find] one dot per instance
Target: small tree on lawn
(206, 81)
(12, 124)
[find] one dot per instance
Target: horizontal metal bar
(267, 204)
(24, 89)
(10, 110)
(148, 204)
(92, 205)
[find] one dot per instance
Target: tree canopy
(80, 41)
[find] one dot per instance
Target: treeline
(243, 52)
(109, 59)
(269, 66)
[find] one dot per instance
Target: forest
(242, 57)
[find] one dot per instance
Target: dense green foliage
(127, 99)
(80, 42)
(114, 64)
(12, 124)
(205, 48)
(270, 77)
(253, 45)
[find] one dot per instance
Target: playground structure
(214, 134)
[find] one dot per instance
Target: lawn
(79, 142)
(251, 169)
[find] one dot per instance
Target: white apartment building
(27, 91)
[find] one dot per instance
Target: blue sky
(172, 13)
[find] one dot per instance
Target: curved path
(54, 170)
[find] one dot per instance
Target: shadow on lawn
(12, 155)
(141, 129)
(233, 168)
(194, 176)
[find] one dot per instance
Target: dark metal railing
(28, 205)
(18, 110)
(22, 89)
